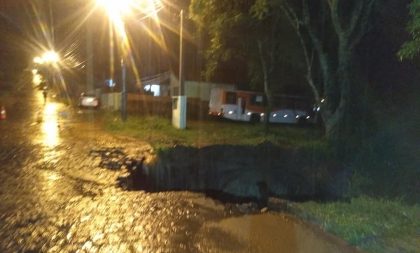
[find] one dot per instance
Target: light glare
(38, 60)
(50, 56)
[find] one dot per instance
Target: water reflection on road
(48, 118)
(50, 125)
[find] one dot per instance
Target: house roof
(161, 78)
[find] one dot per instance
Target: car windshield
(247, 126)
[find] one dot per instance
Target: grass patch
(375, 225)
(160, 133)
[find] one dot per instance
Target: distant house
(167, 84)
(197, 89)
(157, 85)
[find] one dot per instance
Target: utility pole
(51, 74)
(52, 29)
(89, 56)
(179, 102)
(111, 55)
(181, 55)
(124, 91)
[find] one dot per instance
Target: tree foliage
(327, 31)
(411, 48)
(250, 32)
(234, 29)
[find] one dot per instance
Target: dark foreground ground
(55, 198)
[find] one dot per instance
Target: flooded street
(55, 198)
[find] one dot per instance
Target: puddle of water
(50, 125)
(272, 233)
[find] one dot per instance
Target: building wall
(197, 89)
(202, 90)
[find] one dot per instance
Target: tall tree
(328, 32)
(333, 29)
(243, 31)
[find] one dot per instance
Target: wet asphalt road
(55, 198)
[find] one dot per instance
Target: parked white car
(250, 106)
(88, 101)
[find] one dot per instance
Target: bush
(387, 165)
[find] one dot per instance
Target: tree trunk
(345, 123)
(267, 90)
(344, 109)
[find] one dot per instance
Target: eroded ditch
(250, 171)
(230, 173)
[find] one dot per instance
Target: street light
(48, 58)
(117, 11)
(179, 111)
(51, 57)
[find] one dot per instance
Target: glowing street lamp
(47, 57)
(50, 57)
(117, 7)
(38, 60)
(121, 8)
(117, 10)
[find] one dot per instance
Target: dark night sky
(387, 75)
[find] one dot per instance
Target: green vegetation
(160, 133)
(376, 225)
(411, 48)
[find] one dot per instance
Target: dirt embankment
(250, 171)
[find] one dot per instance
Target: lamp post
(179, 107)
(116, 11)
(47, 59)
(90, 79)
(124, 91)
(181, 54)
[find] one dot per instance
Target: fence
(153, 106)
(149, 105)
(162, 106)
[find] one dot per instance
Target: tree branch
(355, 17)
(296, 24)
(362, 28)
(291, 15)
(333, 4)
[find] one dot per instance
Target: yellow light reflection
(37, 79)
(50, 127)
(51, 176)
(50, 184)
